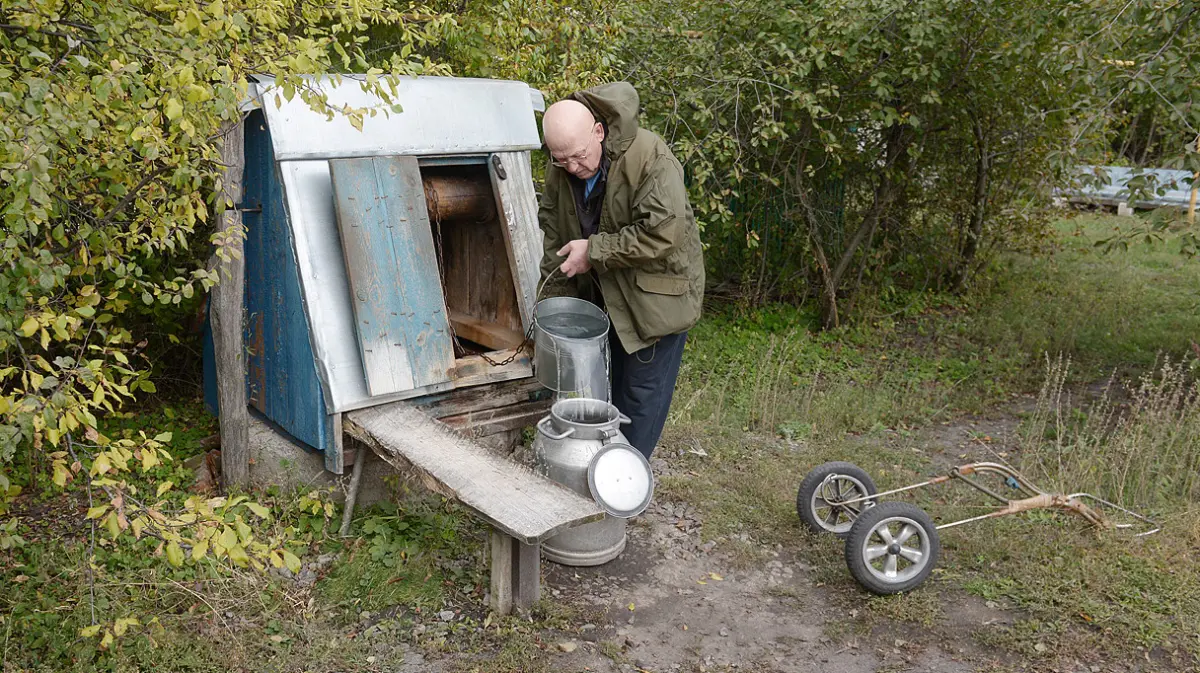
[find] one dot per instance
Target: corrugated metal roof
(1175, 186)
(442, 116)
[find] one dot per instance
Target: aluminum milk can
(567, 440)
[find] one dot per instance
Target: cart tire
(853, 483)
(892, 548)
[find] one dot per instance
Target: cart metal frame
(1035, 498)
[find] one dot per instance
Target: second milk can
(568, 439)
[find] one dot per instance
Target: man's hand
(577, 257)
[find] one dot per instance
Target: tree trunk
(979, 205)
(227, 310)
(896, 146)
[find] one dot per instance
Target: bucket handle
(542, 428)
(625, 420)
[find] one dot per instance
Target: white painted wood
(517, 205)
(509, 496)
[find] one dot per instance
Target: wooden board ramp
(523, 507)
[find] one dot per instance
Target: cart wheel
(822, 491)
(892, 548)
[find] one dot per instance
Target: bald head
(574, 137)
(567, 124)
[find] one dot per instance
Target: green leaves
(109, 166)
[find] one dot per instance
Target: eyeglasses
(577, 158)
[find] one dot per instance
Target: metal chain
(525, 343)
(529, 333)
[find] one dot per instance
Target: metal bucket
(567, 440)
(570, 348)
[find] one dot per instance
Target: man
(620, 230)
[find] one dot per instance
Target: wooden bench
(523, 507)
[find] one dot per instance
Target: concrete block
(1123, 210)
(276, 459)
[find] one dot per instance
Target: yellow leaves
(228, 538)
(260, 511)
(291, 561)
(122, 625)
(97, 511)
(245, 535)
(149, 460)
(101, 465)
(29, 326)
(113, 525)
(174, 554)
(163, 488)
(90, 631)
(238, 555)
(61, 474)
(199, 550)
(173, 109)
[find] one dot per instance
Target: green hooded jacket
(646, 252)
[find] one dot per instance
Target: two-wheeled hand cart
(892, 547)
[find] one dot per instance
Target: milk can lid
(620, 479)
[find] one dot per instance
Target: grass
(762, 399)
(767, 399)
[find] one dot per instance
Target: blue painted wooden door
(400, 313)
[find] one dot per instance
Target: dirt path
(691, 612)
(672, 603)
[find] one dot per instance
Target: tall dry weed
(1137, 445)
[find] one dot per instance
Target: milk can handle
(542, 428)
(625, 420)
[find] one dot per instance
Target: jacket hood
(616, 105)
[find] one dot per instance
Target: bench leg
(360, 461)
(516, 574)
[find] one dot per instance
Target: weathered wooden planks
(227, 312)
(492, 335)
(483, 398)
(469, 372)
(516, 578)
(512, 498)
(476, 271)
(512, 180)
(391, 262)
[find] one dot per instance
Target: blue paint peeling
(281, 371)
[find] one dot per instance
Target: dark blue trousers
(642, 386)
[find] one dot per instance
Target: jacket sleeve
(659, 218)
(558, 285)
